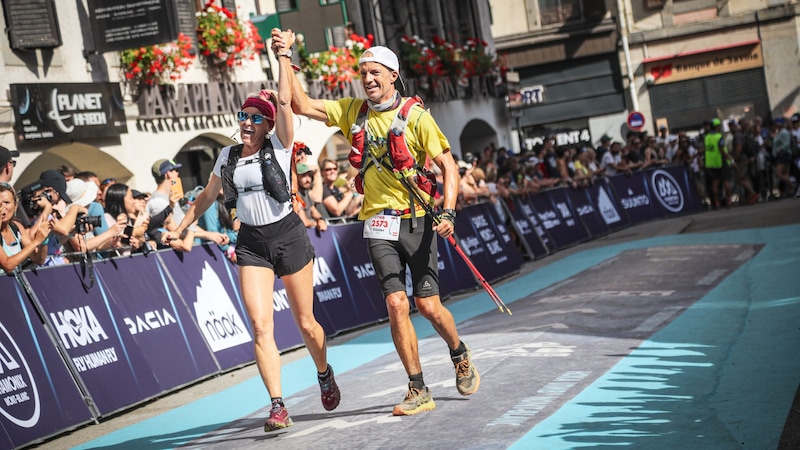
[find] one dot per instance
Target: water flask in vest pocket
(275, 180)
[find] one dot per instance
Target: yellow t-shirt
(382, 189)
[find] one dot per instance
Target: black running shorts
(418, 249)
(282, 246)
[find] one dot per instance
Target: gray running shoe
(416, 401)
(467, 377)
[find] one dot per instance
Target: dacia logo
(149, 321)
(78, 327)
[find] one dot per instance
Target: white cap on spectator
(81, 192)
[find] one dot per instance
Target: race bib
(382, 226)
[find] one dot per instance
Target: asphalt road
(554, 373)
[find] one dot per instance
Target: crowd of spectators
(67, 213)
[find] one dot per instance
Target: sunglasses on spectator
(330, 169)
(13, 163)
(108, 180)
(255, 118)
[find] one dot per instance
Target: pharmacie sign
(703, 63)
(67, 111)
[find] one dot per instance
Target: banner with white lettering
(359, 272)
(38, 396)
(607, 206)
(587, 212)
(158, 320)
(527, 224)
(339, 293)
(673, 191)
(53, 111)
(492, 255)
(551, 221)
(633, 194)
(87, 324)
(562, 204)
(210, 290)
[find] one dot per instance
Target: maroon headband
(266, 108)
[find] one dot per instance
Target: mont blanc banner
(38, 397)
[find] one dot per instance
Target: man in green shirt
(717, 163)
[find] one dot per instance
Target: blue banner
(633, 196)
(90, 327)
(551, 221)
(602, 196)
(537, 241)
(336, 286)
(210, 289)
(673, 191)
(38, 396)
(562, 204)
(359, 272)
(158, 320)
(587, 212)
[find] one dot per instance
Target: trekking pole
(411, 185)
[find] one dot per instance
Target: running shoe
(467, 377)
(278, 418)
(330, 391)
(417, 400)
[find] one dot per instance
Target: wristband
(448, 217)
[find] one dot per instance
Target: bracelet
(448, 217)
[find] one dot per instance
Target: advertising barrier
(71, 353)
(38, 396)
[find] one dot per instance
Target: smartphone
(140, 219)
(176, 188)
(126, 239)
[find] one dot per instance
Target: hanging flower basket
(336, 66)
(224, 40)
(156, 64)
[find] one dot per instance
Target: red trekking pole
(412, 187)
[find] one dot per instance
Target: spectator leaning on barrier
(218, 219)
(339, 199)
(612, 163)
(272, 240)
(308, 212)
(411, 240)
(121, 208)
(17, 244)
(93, 233)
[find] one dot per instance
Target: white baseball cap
(380, 54)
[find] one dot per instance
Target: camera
(83, 221)
(28, 198)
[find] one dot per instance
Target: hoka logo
(322, 273)
(78, 327)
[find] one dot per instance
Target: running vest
(400, 159)
(273, 180)
(713, 151)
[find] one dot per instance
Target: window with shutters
(187, 19)
(32, 24)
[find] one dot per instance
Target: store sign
(120, 25)
(67, 111)
(692, 65)
(527, 96)
(568, 137)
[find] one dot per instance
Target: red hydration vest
(402, 162)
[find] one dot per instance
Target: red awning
(704, 50)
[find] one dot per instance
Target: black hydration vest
(273, 180)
